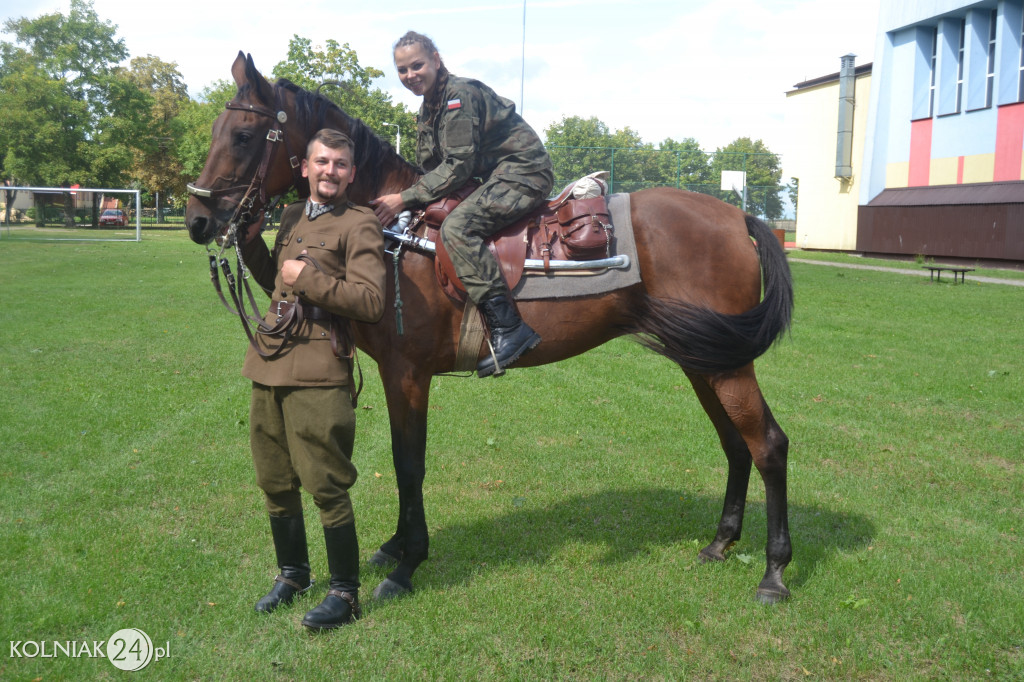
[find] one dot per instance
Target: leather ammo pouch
(585, 228)
(435, 213)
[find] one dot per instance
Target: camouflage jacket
(465, 131)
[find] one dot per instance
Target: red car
(114, 216)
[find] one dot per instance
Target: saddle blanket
(573, 284)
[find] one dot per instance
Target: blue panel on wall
(921, 38)
(1008, 51)
(978, 22)
(972, 134)
(949, 66)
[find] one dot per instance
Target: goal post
(70, 214)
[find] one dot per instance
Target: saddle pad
(574, 284)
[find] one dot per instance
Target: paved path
(904, 271)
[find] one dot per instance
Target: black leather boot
(341, 605)
(289, 533)
(510, 336)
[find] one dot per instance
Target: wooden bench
(935, 272)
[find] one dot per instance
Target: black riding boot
(289, 533)
(341, 605)
(510, 336)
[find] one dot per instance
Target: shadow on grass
(628, 523)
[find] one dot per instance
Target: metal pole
(398, 136)
(744, 182)
(522, 75)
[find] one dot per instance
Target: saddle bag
(585, 228)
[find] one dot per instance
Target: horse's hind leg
(749, 434)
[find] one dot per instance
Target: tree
(578, 147)
(193, 127)
(155, 165)
(683, 164)
(348, 84)
(764, 175)
(67, 115)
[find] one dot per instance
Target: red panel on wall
(920, 152)
(1009, 142)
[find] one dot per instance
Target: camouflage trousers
(494, 205)
(302, 437)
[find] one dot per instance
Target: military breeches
(302, 437)
(494, 205)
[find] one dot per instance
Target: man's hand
(290, 270)
(387, 208)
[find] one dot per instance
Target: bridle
(253, 202)
(256, 191)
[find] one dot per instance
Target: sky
(712, 71)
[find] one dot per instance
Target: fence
(632, 170)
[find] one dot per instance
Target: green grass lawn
(566, 503)
(904, 264)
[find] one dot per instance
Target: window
(1020, 85)
(960, 66)
(990, 77)
(935, 63)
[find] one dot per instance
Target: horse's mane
(313, 108)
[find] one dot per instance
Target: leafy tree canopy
(764, 175)
(193, 127)
(349, 85)
(67, 114)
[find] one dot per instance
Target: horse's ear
(238, 69)
(264, 90)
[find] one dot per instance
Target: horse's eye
(242, 138)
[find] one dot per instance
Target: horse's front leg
(407, 396)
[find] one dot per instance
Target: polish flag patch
(454, 104)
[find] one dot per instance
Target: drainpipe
(844, 142)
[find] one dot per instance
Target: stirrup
(498, 369)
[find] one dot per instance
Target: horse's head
(244, 167)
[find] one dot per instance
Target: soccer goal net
(70, 214)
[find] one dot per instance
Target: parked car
(114, 216)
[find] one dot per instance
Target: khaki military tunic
(301, 421)
(349, 247)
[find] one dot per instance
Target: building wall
(826, 215)
(947, 110)
(956, 132)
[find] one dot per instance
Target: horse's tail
(704, 341)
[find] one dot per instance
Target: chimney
(844, 143)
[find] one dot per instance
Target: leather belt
(309, 312)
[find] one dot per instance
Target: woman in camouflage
(466, 132)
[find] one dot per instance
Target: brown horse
(703, 263)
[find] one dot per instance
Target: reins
(252, 203)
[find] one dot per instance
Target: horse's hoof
(382, 559)
(389, 589)
(773, 595)
(708, 555)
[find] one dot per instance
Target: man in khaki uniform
(328, 259)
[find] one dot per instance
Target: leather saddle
(565, 228)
